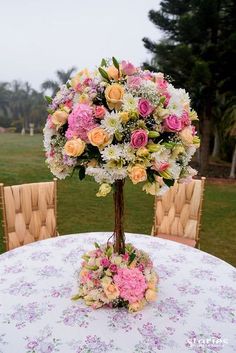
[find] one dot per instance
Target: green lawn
(79, 210)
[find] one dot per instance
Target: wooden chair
(177, 213)
(29, 212)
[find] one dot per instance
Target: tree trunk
(119, 237)
(233, 164)
(216, 149)
(205, 145)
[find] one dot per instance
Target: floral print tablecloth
(195, 310)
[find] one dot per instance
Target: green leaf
(104, 74)
(151, 176)
(115, 63)
(76, 297)
(82, 173)
(97, 245)
(92, 268)
(103, 62)
(169, 145)
(132, 257)
(109, 251)
(153, 134)
(50, 111)
(48, 99)
(169, 182)
(68, 85)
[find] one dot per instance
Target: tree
(198, 51)
(62, 77)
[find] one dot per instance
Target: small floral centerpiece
(115, 122)
(117, 280)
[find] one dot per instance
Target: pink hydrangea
(131, 284)
(80, 122)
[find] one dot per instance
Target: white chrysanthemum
(128, 153)
(179, 100)
(112, 152)
(48, 133)
(163, 155)
(174, 169)
(118, 173)
(57, 167)
(130, 103)
(189, 153)
(112, 123)
(100, 175)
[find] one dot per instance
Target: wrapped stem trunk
(119, 237)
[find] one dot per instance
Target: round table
(195, 310)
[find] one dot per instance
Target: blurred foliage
(198, 51)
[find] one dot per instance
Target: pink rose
(128, 68)
(134, 81)
(172, 123)
(139, 138)
(144, 107)
(113, 268)
(99, 111)
(105, 262)
(185, 121)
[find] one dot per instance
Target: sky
(38, 37)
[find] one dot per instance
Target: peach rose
(75, 147)
(150, 295)
(114, 94)
(113, 72)
(138, 174)
(99, 137)
(136, 306)
(186, 136)
(111, 291)
(59, 118)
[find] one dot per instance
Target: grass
(79, 210)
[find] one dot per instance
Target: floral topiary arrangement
(115, 122)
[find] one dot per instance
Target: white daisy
(179, 100)
(112, 152)
(130, 103)
(112, 123)
(128, 153)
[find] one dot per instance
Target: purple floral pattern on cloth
(76, 315)
(203, 274)
(154, 340)
(37, 282)
(62, 291)
(118, 320)
(172, 308)
(43, 343)
(221, 313)
(93, 344)
(26, 314)
(22, 287)
(49, 271)
(188, 288)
